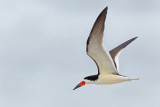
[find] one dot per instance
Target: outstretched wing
(95, 47)
(117, 50)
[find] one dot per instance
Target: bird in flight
(107, 62)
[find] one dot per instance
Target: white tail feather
(134, 79)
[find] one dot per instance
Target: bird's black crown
(92, 77)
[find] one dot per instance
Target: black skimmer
(107, 62)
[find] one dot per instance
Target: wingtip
(135, 38)
(105, 9)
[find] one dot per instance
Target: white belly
(112, 79)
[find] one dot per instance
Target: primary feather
(116, 51)
(95, 48)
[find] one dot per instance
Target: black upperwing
(114, 52)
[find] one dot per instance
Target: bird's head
(87, 80)
(82, 83)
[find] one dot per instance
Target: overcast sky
(43, 53)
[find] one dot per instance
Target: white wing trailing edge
(117, 50)
(95, 48)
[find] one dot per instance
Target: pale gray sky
(43, 56)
